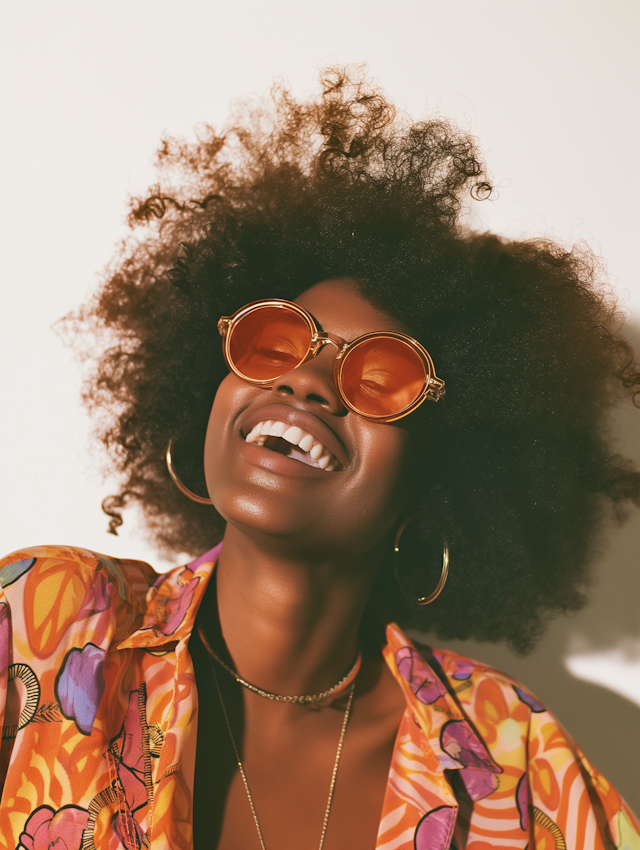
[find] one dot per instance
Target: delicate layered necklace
(347, 681)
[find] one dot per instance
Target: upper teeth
(297, 437)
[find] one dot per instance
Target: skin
(301, 552)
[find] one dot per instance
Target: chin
(259, 513)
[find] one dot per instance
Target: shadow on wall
(605, 724)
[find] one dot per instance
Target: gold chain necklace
(305, 699)
(334, 773)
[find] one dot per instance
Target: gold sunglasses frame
(433, 386)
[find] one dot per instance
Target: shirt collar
(448, 731)
(172, 604)
(425, 692)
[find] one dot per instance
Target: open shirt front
(99, 705)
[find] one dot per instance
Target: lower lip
(280, 464)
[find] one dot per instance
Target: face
(348, 482)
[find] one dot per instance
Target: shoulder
(497, 706)
(510, 752)
(46, 589)
(559, 787)
(513, 723)
(488, 686)
(57, 563)
(482, 691)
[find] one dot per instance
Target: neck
(290, 624)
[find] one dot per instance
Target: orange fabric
(99, 710)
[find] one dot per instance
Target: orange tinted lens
(267, 342)
(382, 376)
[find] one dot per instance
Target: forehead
(340, 308)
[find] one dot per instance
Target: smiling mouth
(291, 441)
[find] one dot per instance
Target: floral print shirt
(99, 707)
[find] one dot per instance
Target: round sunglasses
(382, 375)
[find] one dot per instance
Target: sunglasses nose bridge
(323, 339)
(311, 379)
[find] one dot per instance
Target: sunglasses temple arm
(435, 389)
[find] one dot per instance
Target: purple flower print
(128, 830)
(97, 598)
(170, 603)
(423, 681)
(12, 572)
(80, 684)
(131, 764)
(529, 699)
(209, 557)
(461, 742)
(478, 771)
(128, 757)
(435, 829)
(464, 669)
(478, 783)
(439, 657)
(47, 828)
(522, 802)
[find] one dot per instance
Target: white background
(88, 89)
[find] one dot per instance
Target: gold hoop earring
(201, 500)
(419, 600)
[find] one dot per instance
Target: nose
(314, 382)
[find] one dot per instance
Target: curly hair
(526, 334)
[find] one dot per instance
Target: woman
(263, 695)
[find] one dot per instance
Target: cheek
(218, 421)
(388, 471)
(217, 456)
